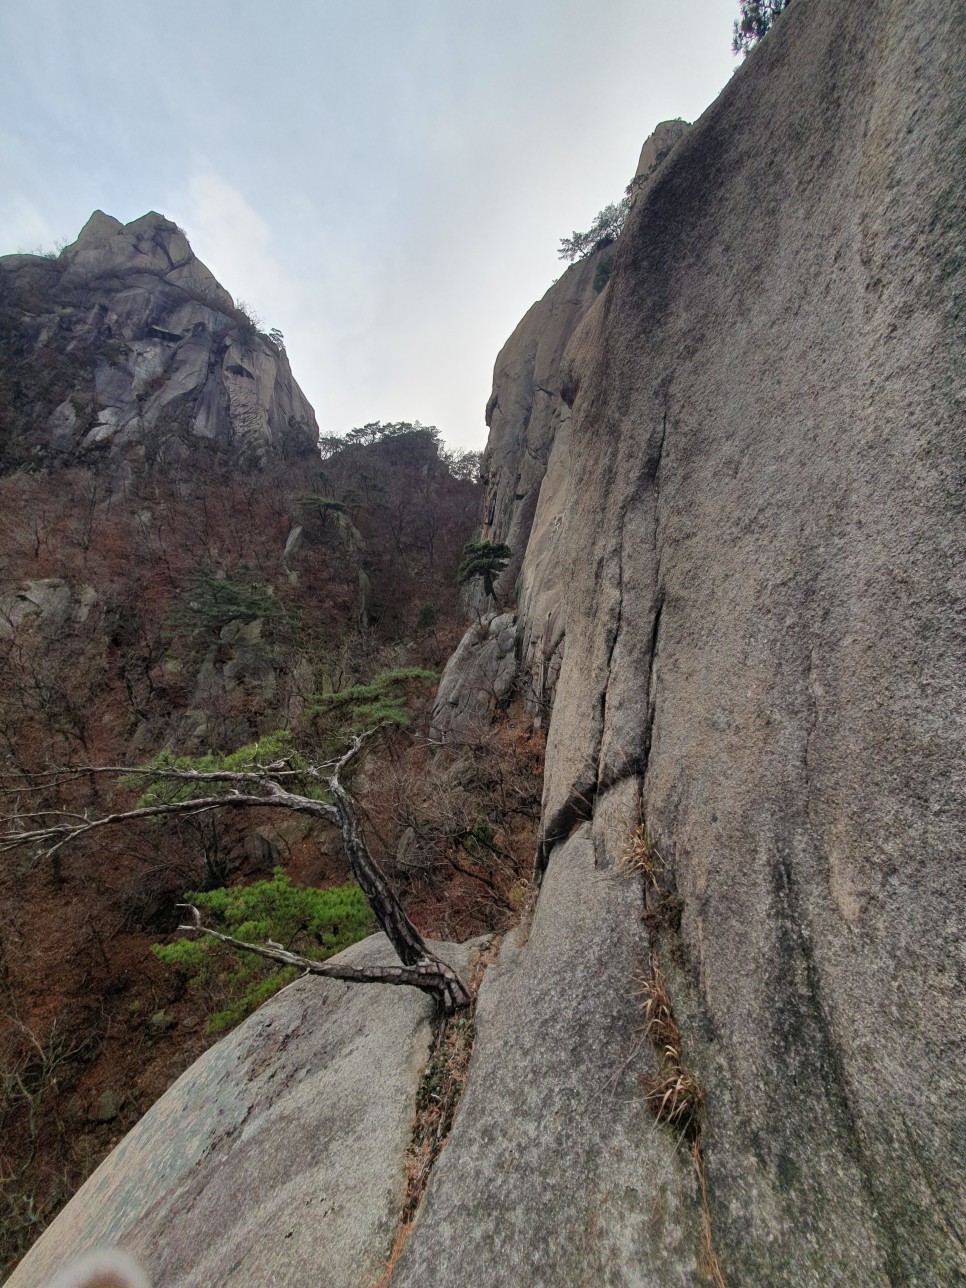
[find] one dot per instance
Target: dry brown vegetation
(673, 1093)
(92, 1027)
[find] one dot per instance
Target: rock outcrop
(143, 350)
(526, 466)
(745, 549)
(764, 632)
(279, 1157)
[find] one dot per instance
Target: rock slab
(555, 1173)
(278, 1157)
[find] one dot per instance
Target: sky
(384, 181)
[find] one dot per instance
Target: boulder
(278, 1158)
(477, 679)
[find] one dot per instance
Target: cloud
(23, 227)
(384, 183)
(233, 239)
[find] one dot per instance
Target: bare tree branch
(52, 838)
(416, 976)
(420, 968)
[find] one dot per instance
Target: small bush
(364, 706)
(605, 229)
(757, 18)
(426, 617)
(315, 923)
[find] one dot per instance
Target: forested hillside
(172, 596)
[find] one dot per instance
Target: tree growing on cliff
(605, 229)
(757, 17)
(316, 790)
(483, 559)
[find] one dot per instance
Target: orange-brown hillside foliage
(114, 645)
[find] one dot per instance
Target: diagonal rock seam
(432, 1123)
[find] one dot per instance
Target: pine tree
(757, 17)
(483, 559)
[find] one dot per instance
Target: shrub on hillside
(315, 923)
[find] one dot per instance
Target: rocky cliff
(729, 1046)
(763, 634)
(125, 341)
(526, 466)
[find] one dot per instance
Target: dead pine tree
(271, 787)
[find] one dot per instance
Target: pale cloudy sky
(385, 181)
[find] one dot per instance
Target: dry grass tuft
(674, 1096)
(709, 1266)
(640, 856)
(658, 1017)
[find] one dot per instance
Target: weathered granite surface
(555, 1172)
(147, 350)
(478, 678)
(278, 1157)
(764, 561)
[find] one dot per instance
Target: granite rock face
(556, 1173)
(146, 350)
(747, 549)
(764, 626)
(751, 546)
(478, 678)
(278, 1158)
(527, 463)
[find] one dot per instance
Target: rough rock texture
(555, 1172)
(49, 606)
(524, 411)
(145, 349)
(764, 566)
(278, 1157)
(478, 678)
(760, 539)
(657, 146)
(526, 462)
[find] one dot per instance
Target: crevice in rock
(674, 1094)
(577, 808)
(610, 776)
(612, 645)
(156, 239)
(651, 687)
(438, 1097)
